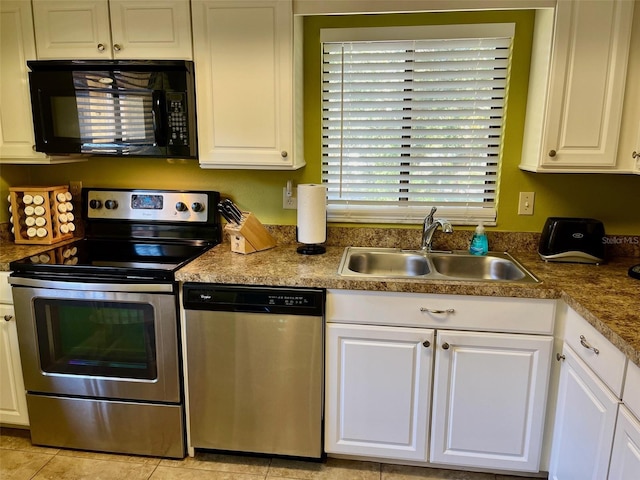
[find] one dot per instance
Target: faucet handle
(432, 213)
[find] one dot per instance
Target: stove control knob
(95, 204)
(197, 207)
(181, 207)
(111, 204)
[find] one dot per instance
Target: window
(412, 118)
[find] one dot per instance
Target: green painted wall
(614, 199)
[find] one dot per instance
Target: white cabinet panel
(489, 399)
(67, 29)
(625, 456)
(608, 363)
(16, 47)
(459, 312)
(584, 424)
(631, 396)
(629, 148)
(245, 84)
(583, 88)
(378, 384)
(13, 400)
(102, 29)
(157, 29)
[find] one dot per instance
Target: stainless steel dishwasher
(255, 368)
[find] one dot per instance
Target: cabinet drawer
(520, 315)
(5, 288)
(584, 339)
(631, 396)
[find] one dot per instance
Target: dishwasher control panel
(233, 298)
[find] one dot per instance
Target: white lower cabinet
(584, 425)
(13, 399)
(488, 392)
(625, 456)
(378, 390)
(489, 399)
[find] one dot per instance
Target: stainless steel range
(98, 323)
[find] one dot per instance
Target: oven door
(114, 341)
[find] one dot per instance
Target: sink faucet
(429, 227)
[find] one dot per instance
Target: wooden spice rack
(249, 236)
(46, 203)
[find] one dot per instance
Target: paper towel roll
(312, 213)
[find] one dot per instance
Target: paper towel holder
(311, 230)
(311, 249)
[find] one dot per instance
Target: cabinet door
(489, 399)
(16, 47)
(584, 424)
(158, 29)
(70, 29)
(378, 383)
(587, 81)
(629, 148)
(13, 400)
(625, 457)
(244, 79)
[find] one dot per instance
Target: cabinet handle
(426, 344)
(117, 47)
(559, 356)
(284, 153)
(8, 318)
(101, 47)
(587, 345)
(445, 346)
(552, 153)
(435, 310)
(635, 155)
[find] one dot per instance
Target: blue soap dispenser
(479, 243)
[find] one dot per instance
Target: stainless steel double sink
(365, 262)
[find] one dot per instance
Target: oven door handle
(100, 287)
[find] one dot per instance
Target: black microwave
(120, 107)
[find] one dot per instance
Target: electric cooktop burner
(119, 258)
(138, 234)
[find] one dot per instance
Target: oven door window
(97, 338)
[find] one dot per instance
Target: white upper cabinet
(17, 45)
(629, 148)
(113, 29)
(245, 83)
(575, 102)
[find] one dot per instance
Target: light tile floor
(20, 460)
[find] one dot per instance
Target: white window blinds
(410, 124)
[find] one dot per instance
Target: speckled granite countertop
(604, 295)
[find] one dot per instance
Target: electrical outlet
(75, 187)
(525, 203)
(289, 202)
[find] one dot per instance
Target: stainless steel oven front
(101, 364)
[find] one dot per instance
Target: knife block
(250, 236)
